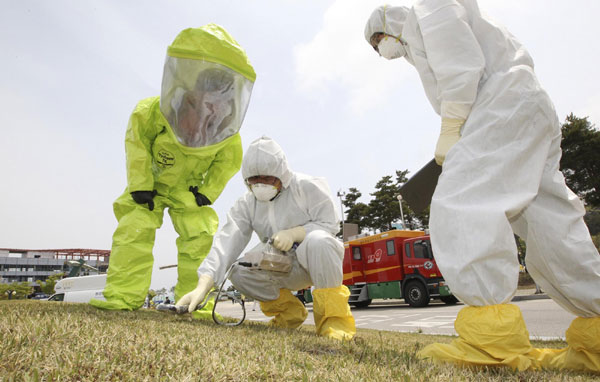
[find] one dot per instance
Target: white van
(79, 289)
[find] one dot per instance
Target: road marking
(438, 318)
(544, 338)
(423, 324)
(406, 315)
(358, 323)
(375, 316)
(442, 322)
(452, 317)
(379, 318)
(371, 320)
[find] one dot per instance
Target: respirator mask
(391, 48)
(264, 192)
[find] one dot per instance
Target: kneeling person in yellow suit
(182, 149)
(289, 208)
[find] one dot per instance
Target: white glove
(195, 297)
(449, 135)
(283, 240)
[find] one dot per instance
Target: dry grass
(41, 340)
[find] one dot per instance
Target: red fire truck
(395, 264)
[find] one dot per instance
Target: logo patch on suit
(165, 159)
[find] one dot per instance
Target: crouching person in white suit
(288, 208)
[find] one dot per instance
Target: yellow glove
(195, 297)
(283, 240)
(449, 135)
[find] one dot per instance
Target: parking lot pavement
(543, 317)
(437, 318)
(392, 316)
(529, 294)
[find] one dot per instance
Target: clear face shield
(204, 102)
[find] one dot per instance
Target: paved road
(544, 318)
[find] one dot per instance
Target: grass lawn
(52, 341)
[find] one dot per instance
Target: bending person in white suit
(500, 149)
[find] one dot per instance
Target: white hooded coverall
(503, 174)
(303, 201)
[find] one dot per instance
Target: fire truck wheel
(449, 300)
(361, 304)
(415, 294)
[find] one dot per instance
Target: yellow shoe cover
(287, 310)
(110, 304)
(583, 352)
(332, 314)
(492, 335)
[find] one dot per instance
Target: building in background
(30, 265)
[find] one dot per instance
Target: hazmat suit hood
(386, 19)
(265, 157)
(206, 86)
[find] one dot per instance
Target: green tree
(592, 219)
(48, 285)
(384, 209)
(580, 161)
(596, 240)
(21, 290)
(356, 212)
(151, 295)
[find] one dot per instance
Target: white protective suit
(303, 201)
(503, 174)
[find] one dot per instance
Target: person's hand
(195, 297)
(284, 240)
(143, 197)
(449, 135)
(201, 199)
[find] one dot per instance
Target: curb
(541, 296)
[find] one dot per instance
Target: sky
(72, 71)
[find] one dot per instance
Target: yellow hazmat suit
(182, 149)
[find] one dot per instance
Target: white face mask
(391, 48)
(264, 192)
